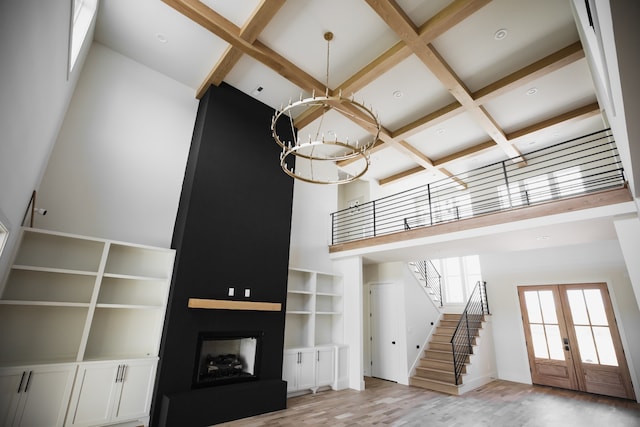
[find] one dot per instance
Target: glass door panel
(545, 334)
(572, 339)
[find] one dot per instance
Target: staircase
(435, 370)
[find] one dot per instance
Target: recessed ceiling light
(398, 94)
(441, 131)
(543, 238)
(532, 91)
(500, 34)
(161, 38)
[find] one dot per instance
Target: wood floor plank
(497, 404)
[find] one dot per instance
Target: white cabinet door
(307, 369)
(134, 400)
(10, 393)
(112, 392)
(325, 366)
(290, 369)
(93, 394)
(35, 396)
(298, 369)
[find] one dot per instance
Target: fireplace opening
(226, 357)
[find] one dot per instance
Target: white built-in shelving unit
(75, 300)
(314, 329)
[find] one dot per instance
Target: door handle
(26, 386)
(124, 369)
(21, 381)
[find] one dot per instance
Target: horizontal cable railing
(576, 167)
(468, 326)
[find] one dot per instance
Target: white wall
(417, 314)
(421, 314)
(311, 225)
(117, 167)
(35, 92)
(591, 263)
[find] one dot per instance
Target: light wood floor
(498, 404)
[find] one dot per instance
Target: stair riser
(445, 331)
(454, 324)
(446, 340)
(430, 385)
(438, 355)
(448, 377)
(441, 365)
(440, 338)
(443, 346)
(436, 364)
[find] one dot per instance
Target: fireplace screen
(222, 358)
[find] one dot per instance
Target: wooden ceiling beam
(256, 23)
(580, 113)
(550, 63)
(230, 33)
(397, 20)
(440, 23)
(541, 68)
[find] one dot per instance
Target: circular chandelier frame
(326, 149)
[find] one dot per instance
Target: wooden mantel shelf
(217, 304)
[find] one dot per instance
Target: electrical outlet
(247, 293)
(232, 291)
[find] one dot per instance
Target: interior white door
(384, 336)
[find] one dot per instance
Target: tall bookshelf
(314, 309)
(73, 301)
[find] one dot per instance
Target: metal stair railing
(467, 328)
(432, 278)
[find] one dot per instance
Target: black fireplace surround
(232, 230)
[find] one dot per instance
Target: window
(569, 181)
(538, 189)
(459, 277)
(81, 18)
(512, 198)
(452, 208)
(4, 235)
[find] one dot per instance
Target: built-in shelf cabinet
(314, 327)
(73, 299)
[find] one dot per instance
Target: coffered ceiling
(456, 84)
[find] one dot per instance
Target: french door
(572, 339)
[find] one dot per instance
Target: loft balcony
(580, 173)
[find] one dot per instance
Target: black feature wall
(232, 230)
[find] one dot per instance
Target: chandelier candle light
(317, 156)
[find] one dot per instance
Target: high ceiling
(456, 84)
